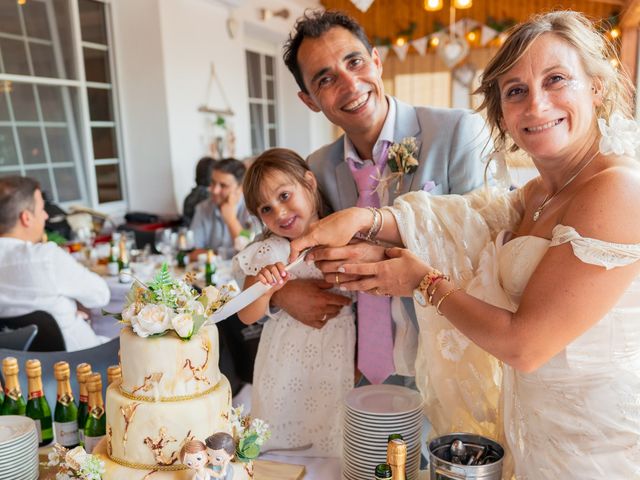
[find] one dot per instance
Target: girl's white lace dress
(577, 416)
(301, 374)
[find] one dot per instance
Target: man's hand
(229, 206)
(309, 302)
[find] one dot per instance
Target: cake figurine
(194, 455)
(221, 449)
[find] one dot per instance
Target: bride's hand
(335, 230)
(396, 277)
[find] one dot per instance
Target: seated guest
(42, 276)
(201, 191)
(219, 220)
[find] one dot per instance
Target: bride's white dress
(577, 416)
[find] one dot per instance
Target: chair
(99, 357)
(49, 337)
(18, 339)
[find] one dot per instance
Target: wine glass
(163, 243)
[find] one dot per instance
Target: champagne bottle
(209, 269)
(114, 374)
(83, 371)
(96, 426)
(397, 458)
(124, 269)
(382, 471)
(112, 261)
(37, 405)
(182, 258)
(13, 403)
(65, 416)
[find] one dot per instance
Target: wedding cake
(171, 392)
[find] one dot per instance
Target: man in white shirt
(42, 276)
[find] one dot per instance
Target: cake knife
(249, 295)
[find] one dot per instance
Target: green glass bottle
(13, 403)
(83, 371)
(96, 426)
(112, 261)
(383, 471)
(37, 405)
(209, 269)
(65, 416)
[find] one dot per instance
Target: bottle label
(66, 433)
(13, 394)
(38, 428)
(35, 394)
(65, 399)
(91, 442)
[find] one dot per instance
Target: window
(262, 101)
(57, 118)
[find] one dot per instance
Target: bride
(536, 290)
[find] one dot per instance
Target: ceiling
(385, 20)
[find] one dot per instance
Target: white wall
(164, 49)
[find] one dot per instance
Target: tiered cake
(171, 392)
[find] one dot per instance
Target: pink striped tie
(375, 337)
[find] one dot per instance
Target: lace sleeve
(259, 254)
(596, 252)
(450, 231)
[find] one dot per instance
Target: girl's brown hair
(593, 48)
(192, 446)
(273, 160)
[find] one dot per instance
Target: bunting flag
(401, 51)
(487, 34)
(420, 44)
(383, 51)
(362, 5)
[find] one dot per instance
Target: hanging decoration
(219, 137)
(362, 5)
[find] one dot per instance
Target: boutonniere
(401, 161)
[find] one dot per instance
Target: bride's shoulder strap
(593, 251)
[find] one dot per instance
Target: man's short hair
(16, 196)
(204, 168)
(232, 166)
(314, 24)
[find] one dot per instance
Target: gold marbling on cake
(167, 366)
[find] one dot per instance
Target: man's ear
(308, 101)
(24, 219)
(375, 55)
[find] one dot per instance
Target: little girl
(301, 373)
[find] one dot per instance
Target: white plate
(376, 417)
(383, 400)
(12, 427)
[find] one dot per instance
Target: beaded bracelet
(442, 298)
(375, 234)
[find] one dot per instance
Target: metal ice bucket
(442, 468)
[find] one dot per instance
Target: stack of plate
(18, 448)
(372, 413)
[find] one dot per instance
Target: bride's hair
(595, 51)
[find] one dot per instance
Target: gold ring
(338, 279)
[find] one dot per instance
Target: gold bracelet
(442, 298)
(436, 284)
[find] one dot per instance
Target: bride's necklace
(550, 197)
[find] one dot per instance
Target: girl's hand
(274, 275)
(397, 277)
(335, 230)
